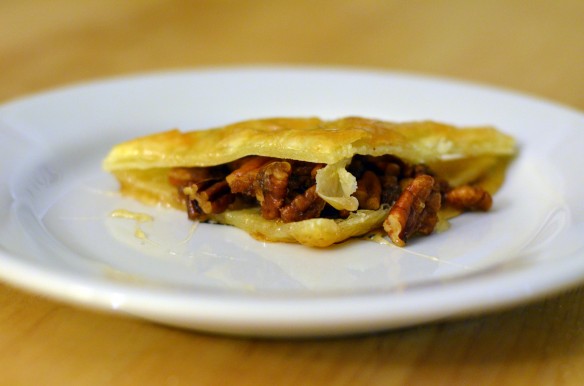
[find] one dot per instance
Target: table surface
(535, 47)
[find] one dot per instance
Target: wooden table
(535, 47)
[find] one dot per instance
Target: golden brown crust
(458, 156)
(308, 139)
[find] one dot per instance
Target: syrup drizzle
(140, 218)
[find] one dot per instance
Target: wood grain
(534, 47)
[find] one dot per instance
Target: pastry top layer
(311, 140)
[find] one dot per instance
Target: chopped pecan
(392, 169)
(194, 211)
(386, 165)
(388, 170)
(380, 165)
(368, 191)
(271, 187)
(302, 177)
(286, 190)
(211, 196)
(469, 198)
(414, 211)
(357, 166)
(390, 187)
(242, 179)
(412, 171)
(303, 206)
(272, 182)
(429, 217)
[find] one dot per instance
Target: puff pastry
(313, 181)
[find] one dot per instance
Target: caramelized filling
(285, 190)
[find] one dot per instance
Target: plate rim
(410, 75)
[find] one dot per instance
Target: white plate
(57, 236)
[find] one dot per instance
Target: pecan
(388, 170)
(368, 191)
(203, 190)
(392, 169)
(303, 206)
(414, 211)
(412, 171)
(386, 165)
(390, 187)
(357, 166)
(302, 177)
(271, 187)
(271, 182)
(243, 178)
(380, 165)
(210, 196)
(469, 198)
(194, 211)
(429, 217)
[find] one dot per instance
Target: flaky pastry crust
(458, 156)
(311, 140)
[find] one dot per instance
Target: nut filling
(285, 190)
